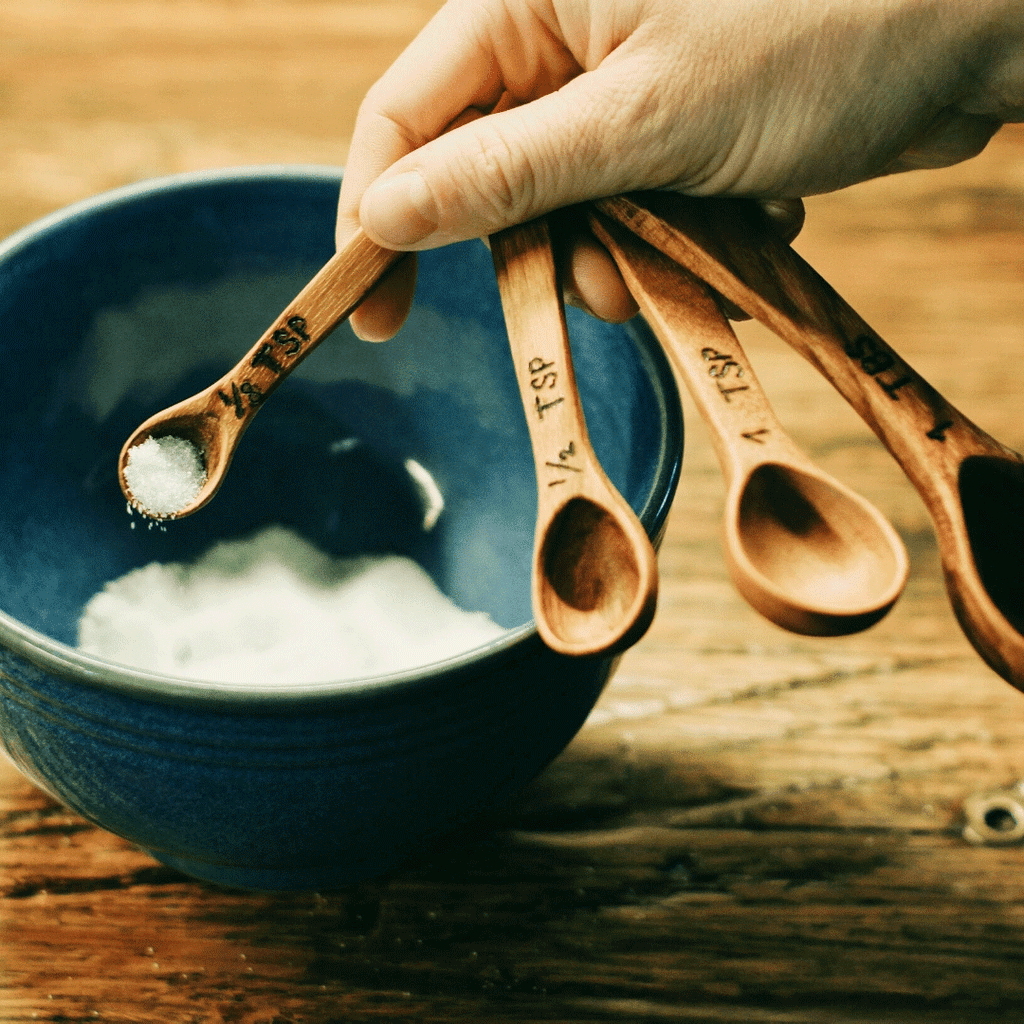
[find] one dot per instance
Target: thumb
(498, 170)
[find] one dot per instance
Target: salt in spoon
(972, 485)
(594, 575)
(804, 550)
(213, 420)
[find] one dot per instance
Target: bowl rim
(69, 663)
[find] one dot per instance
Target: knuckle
(503, 176)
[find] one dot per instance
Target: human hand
(501, 110)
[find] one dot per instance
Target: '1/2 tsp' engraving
(543, 377)
(563, 464)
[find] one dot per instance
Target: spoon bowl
(210, 434)
(802, 549)
(991, 492)
(594, 574)
(972, 485)
(808, 553)
(587, 567)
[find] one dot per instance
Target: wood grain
(753, 826)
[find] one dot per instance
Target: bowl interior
(139, 298)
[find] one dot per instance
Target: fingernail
(400, 211)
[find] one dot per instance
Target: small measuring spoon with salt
(174, 463)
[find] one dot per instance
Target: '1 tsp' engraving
(543, 377)
(722, 365)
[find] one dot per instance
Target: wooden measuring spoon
(214, 420)
(972, 485)
(595, 577)
(804, 550)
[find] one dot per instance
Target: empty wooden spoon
(804, 550)
(594, 578)
(972, 485)
(208, 426)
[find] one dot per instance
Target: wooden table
(752, 826)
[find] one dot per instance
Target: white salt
(164, 474)
(273, 609)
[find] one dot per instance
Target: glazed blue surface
(123, 305)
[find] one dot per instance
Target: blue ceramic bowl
(121, 305)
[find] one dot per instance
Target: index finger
(444, 72)
(462, 63)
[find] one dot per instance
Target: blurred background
(753, 826)
(97, 93)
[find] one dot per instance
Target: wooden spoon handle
(329, 297)
(705, 351)
(729, 244)
(535, 320)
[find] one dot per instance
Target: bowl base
(299, 879)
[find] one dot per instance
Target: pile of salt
(164, 474)
(272, 609)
